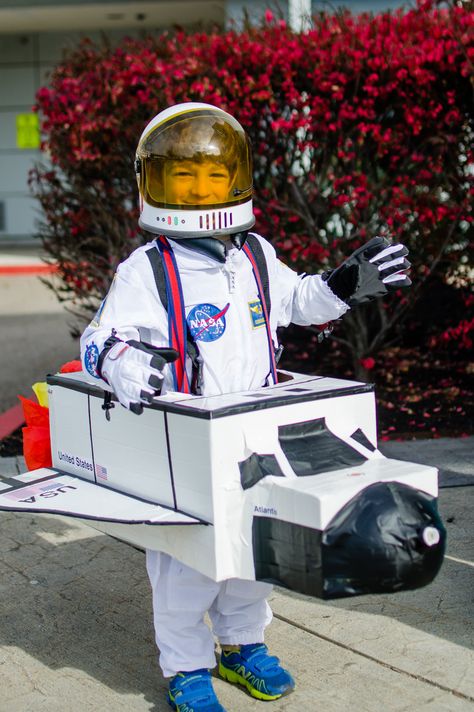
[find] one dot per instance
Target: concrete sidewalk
(76, 630)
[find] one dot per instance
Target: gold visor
(193, 159)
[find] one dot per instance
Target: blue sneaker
(256, 670)
(193, 692)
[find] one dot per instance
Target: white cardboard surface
(178, 464)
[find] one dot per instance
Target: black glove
(372, 271)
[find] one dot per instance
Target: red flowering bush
(362, 126)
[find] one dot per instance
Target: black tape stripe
(157, 267)
(259, 256)
(170, 461)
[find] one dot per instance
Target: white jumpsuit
(225, 318)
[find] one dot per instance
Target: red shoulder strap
(176, 314)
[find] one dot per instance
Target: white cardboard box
(219, 481)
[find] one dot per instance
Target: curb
(9, 270)
(11, 420)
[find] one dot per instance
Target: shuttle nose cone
(388, 538)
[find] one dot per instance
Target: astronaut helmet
(194, 173)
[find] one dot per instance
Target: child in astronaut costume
(195, 180)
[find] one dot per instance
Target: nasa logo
(91, 358)
(207, 322)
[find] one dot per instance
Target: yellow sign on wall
(27, 131)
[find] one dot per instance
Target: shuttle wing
(49, 491)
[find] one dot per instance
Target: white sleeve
(299, 299)
(312, 302)
(131, 305)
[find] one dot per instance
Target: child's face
(192, 183)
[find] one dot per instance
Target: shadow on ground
(80, 604)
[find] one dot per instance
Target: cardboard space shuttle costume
(282, 484)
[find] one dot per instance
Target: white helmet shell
(194, 173)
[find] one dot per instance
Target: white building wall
(19, 79)
(26, 62)
(289, 9)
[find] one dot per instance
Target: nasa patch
(91, 359)
(207, 322)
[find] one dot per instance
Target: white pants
(238, 611)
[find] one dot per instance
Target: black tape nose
(388, 538)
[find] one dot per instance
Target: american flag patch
(101, 472)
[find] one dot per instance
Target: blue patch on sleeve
(91, 359)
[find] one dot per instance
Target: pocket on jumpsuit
(189, 590)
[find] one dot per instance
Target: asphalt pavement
(76, 626)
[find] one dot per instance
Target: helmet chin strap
(215, 247)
